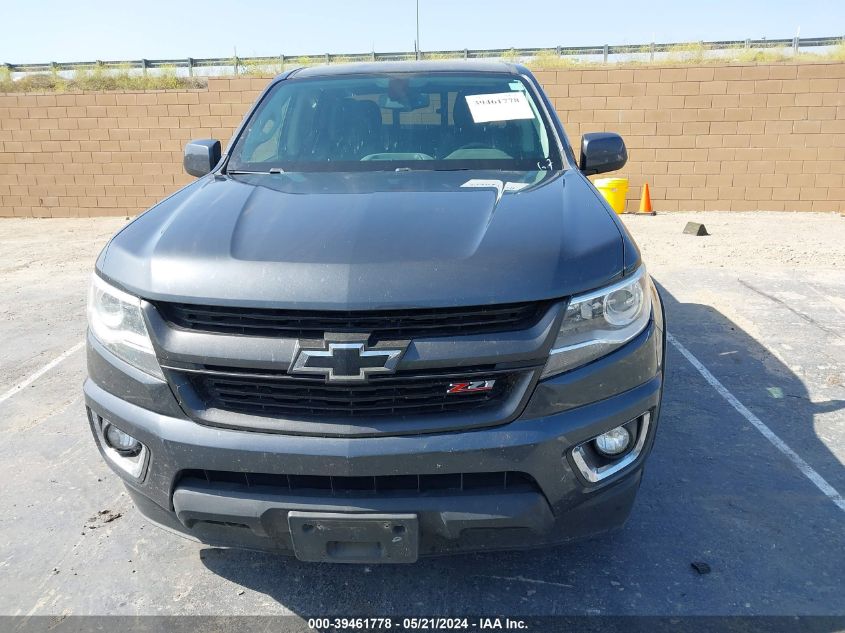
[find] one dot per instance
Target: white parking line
(770, 435)
(33, 377)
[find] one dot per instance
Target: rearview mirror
(406, 104)
(601, 152)
(201, 156)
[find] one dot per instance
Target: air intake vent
(382, 325)
(297, 397)
(380, 484)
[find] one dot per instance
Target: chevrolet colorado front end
(393, 319)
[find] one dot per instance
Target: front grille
(379, 324)
(297, 397)
(379, 484)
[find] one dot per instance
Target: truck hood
(370, 240)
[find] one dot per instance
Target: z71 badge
(471, 387)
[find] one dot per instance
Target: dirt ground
(750, 240)
(759, 304)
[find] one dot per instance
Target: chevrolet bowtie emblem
(344, 362)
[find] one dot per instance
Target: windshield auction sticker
(501, 106)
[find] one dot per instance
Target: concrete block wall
(734, 137)
(730, 137)
(108, 153)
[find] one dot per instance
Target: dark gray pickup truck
(393, 319)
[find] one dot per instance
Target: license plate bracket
(354, 538)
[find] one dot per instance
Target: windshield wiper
(273, 170)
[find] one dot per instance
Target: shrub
(100, 77)
(124, 77)
(550, 60)
(267, 67)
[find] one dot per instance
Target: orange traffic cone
(645, 202)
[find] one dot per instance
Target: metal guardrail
(607, 53)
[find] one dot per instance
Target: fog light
(120, 441)
(623, 445)
(614, 442)
(119, 448)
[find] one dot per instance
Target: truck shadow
(715, 491)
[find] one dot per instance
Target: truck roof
(376, 68)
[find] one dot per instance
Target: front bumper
(553, 503)
(563, 505)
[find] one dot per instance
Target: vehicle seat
(464, 129)
(505, 136)
(359, 129)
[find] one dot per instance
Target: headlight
(597, 323)
(115, 319)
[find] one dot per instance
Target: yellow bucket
(614, 190)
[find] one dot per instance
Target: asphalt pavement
(748, 500)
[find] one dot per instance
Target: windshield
(429, 121)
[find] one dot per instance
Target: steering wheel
(475, 145)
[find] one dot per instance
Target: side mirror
(601, 152)
(201, 156)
